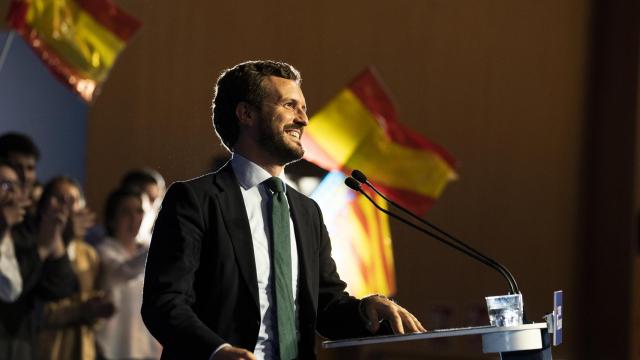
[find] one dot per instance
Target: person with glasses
(33, 268)
(67, 329)
(12, 209)
(19, 151)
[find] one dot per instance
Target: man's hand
(234, 353)
(377, 307)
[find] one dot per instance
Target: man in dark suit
(240, 266)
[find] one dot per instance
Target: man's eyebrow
(287, 99)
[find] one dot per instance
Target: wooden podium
(522, 342)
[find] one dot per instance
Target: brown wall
(611, 209)
(501, 84)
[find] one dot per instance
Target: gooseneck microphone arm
(453, 242)
(360, 177)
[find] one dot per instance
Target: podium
(522, 342)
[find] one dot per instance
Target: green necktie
(287, 341)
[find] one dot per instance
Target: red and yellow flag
(358, 129)
(79, 40)
(360, 237)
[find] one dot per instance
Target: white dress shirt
(256, 201)
(10, 278)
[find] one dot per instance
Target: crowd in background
(71, 286)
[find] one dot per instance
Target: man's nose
(301, 117)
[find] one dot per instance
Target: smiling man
(240, 264)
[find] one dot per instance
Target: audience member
(22, 154)
(12, 214)
(36, 193)
(146, 180)
(34, 265)
(67, 328)
(53, 282)
(152, 185)
(124, 336)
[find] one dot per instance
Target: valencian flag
(358, 129)
(360, 237)
(79, 40)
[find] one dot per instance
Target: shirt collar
(250, 174)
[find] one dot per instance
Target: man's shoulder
(212, 182)
(293, 193)
(200, 182)
(305, 202)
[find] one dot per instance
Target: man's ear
(246, 113)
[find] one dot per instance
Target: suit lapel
(302, 227)
(235, 218)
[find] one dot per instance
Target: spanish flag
(360, 237)
(79, 40)
(358, 129)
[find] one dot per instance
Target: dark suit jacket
(201, 287)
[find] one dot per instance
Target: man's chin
(284, 150)
(291, 155)
(295, 157)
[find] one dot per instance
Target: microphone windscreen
(358, 175)
(352, 183)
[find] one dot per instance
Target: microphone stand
(453, 242)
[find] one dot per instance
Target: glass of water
(505, 310)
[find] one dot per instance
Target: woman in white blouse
(124, 336)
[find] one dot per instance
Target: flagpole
(5, 49)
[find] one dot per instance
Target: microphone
(358, 177)
(353, 184)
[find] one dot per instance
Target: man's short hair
(141, 177)
(114, 200)
(12, 142)
(243, 82)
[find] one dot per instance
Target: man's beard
(273, 141)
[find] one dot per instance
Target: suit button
(258, 322)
